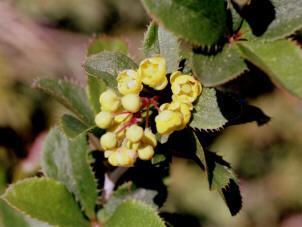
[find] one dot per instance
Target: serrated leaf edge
(145, 205)
(36, 85)
(20, 182)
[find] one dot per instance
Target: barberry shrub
(105, 163)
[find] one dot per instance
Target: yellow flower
(149, 137)
(168, 121)
(185, 88)
(122, 157)
(109, 101)
(129, 82)
(146, 152)
(153, 72)
(183, 108)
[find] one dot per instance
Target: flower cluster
(126, 118)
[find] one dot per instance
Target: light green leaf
(281, 60)
(96, 86)
(10, 217)
(288, 19)
(67, 161)
(200, 22)
(220, 68)
(108, 62)
(71, 126)
(102, 43)
(125, 192)
(160, 41)
(46, 200)
(133, 213)
(169, 48)
(70, 95)
(207, 114)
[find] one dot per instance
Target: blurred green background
(47, 38)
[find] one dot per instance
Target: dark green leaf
(46, 200)
(68, 162)
(151, 44)
(133, 213)
(200, 22)
(105, 80)
(70, 95)
(207, 114)
(281, 60)
(220, 68)
(71, 126)
(108, 62)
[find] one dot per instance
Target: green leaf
(288, 19)
(200, 22)
(220, 177)
(158, 158)
(9, 217)
(169, 48)
(134, 213)
(236, 18)
(71, 126)
(281, 60)
(67, 161)
(46, 200)
(105, 80)
(102, 43)
(220, 68)
(151, 44)
(125, 192)
(96, 86)
(108, 62)
(160, 41)
(70, 95)
(207, 114)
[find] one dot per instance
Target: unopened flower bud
(134, 133)
(131, 103)
(146, 153)
(103, 119)
(108, 141)
(109, 101)
(149, 137)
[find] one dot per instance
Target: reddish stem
(147, 116)
(132, 121)
(154, 103)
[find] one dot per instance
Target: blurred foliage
(89, 16)
(268, 162)
(267, 159)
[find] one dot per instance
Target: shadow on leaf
(258, 14)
